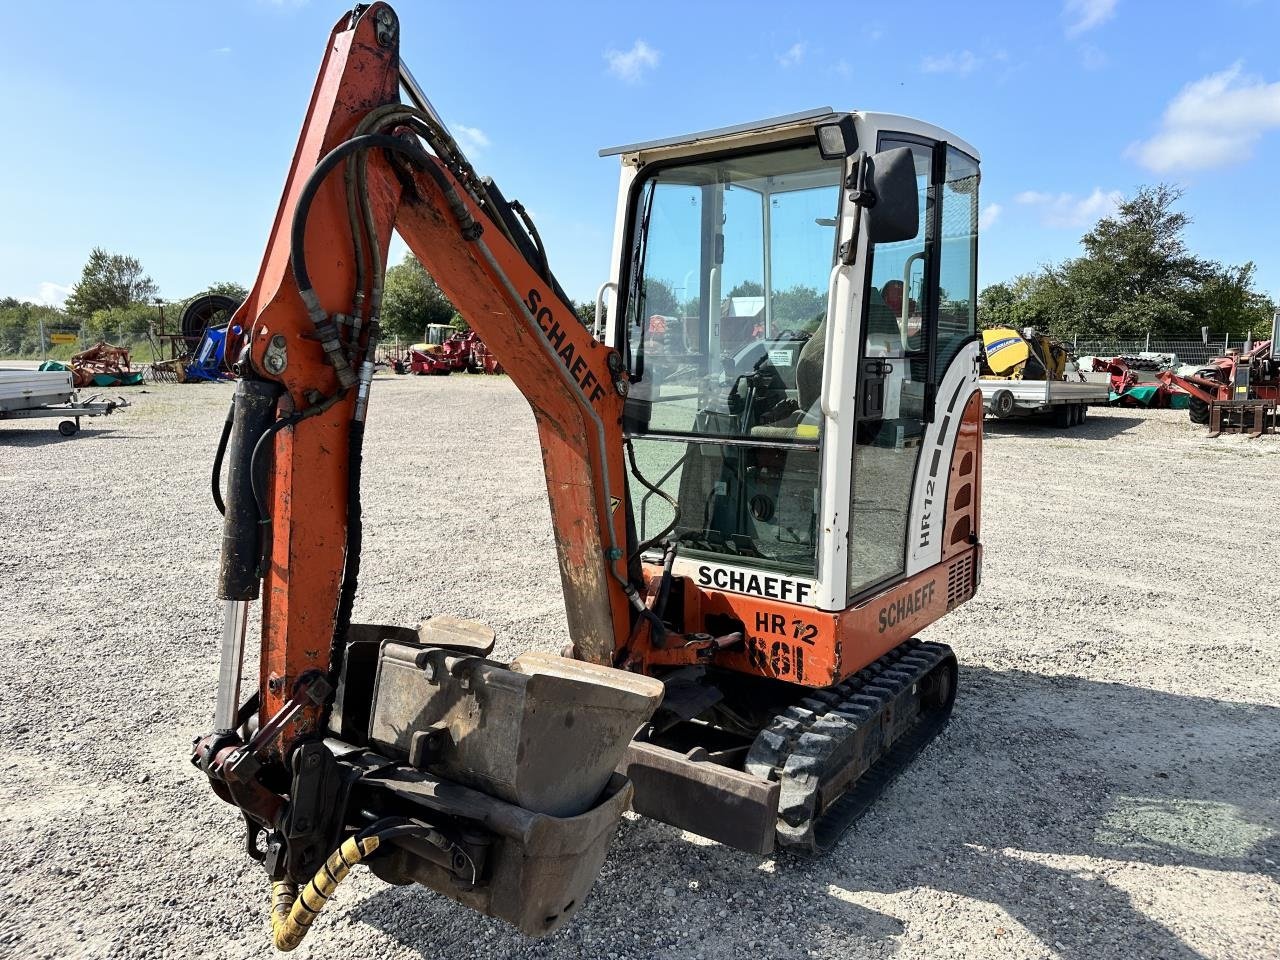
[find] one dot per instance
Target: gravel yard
(1108, 786)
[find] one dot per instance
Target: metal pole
(44, 351)
(417, 96)
(1147, 348)
(235, 617)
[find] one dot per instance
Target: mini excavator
(764, 479)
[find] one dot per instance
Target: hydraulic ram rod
(239, 578)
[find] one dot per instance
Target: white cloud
(1213, 122)
(1068, 210)
(470, 139)
(962, 63)
(792, 56)
(631, 65)
(52, 294)
(1083, 15)
(220, 51)
(990, 214)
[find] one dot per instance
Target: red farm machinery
(1237, 392)
(444, 353)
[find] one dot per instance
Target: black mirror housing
(891, 179)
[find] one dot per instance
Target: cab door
(894, 397)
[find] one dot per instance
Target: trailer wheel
(1063, 416)
(1002, 404)
(68, 428)
(1084, 413)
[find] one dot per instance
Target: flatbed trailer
(1067, 401)
(27, 394)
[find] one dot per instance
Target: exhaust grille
(960, 580)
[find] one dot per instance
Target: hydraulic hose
(292, 914)
(355, 543)
(326, 329)
(216, 479)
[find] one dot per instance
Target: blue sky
(164, 130)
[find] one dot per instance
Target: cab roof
(802, 119)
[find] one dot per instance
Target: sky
(164, 130)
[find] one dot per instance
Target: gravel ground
(1108, 787)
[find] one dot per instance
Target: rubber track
(847, 735)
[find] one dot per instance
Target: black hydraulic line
(265, 443)
(301, 212)
(357, 244)
(259, 495)
(664, 587)
(242, 533)
(355, 542)
(529, 225)
(216, 479)
(657, 491)
(369, 141)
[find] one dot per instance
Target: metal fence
(38, 341)
(1186, 351)
(59, 341)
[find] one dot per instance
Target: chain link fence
(37, 342)
(1185, 351)
(59, 341)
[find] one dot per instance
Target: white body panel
(28, 389)
(928, 495)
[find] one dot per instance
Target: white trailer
(49, 393)
(1066, 400)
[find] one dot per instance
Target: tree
(228, 288)
(412, 300)
(1135, 277)
(586, 313)
(109, 280)
(747, 288)
(120, 325)
(799, 307)
(660, 298)
(1228, 302)
(20, 326)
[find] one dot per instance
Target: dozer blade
(511, 768)
(813, 769)
(835, 751)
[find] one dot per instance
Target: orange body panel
(563, 372)
(309, 480)
(565, 375)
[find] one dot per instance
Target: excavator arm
(361, 736)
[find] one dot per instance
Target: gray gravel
(1108, 787)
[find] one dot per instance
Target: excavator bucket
(512, 767)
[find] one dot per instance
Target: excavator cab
(796, 301)
(780, 400)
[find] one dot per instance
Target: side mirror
(891, 178)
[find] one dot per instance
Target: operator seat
(809, 368)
